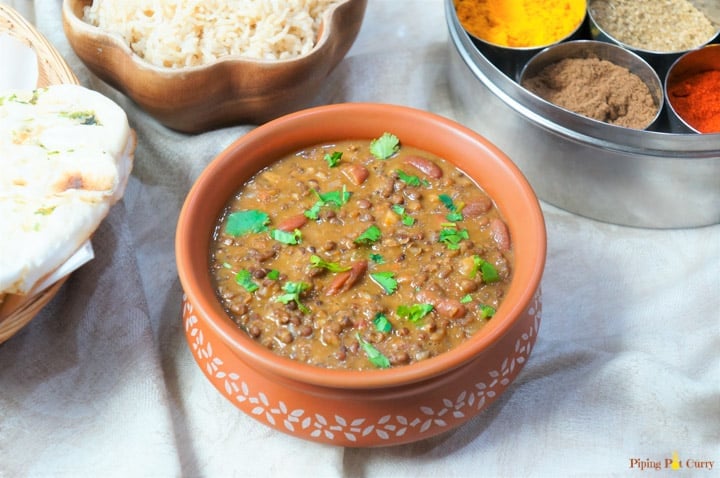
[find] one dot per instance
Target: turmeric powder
(520, 23)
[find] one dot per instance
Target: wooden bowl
(229, 91)
(361, 408)
(16, 311)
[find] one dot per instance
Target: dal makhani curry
(361, 254)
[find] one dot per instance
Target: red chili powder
(696, 99)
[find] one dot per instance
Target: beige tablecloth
(626, 369)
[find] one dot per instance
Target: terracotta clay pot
(362, 408)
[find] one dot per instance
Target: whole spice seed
(654, 25)
(520, 23)
(696, 99)
(596, 88)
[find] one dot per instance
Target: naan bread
(65, 157)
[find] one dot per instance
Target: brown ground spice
(598, 89)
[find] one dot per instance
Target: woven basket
(16, 311)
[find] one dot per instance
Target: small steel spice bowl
(693, 62)
(511, 60)
(659, 60)
(604, 51)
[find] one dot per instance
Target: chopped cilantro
(82, 117)
(316, 261)
(314, 211)
(488, 271)
(244, 222)
(45, 211)
(466, 298)
(374, 355)
(386, 280)
(454, 215)
(337, 198)
(292, 294)
(333, 198)
(414, 312)
(377, 258)
(411, 180)
(333, 159)
(486, 311)
(244, 279)
(382, 323)
(289, 238)
(385, 146)
(370, 235)
(274, 274)
(452, 237)
(404, 217)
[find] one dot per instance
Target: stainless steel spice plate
(652, 179)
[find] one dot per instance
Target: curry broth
(396, 260)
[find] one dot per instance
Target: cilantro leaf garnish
(404, 217)
(374, 355)
(274, 274)
(488, 271)
(338, 198)
(333, 198)
(370, 235)
(82, 117)
(414, 312)
(333, 159)
(411, 180)
(385, 146)
(452, 237)
(244, 222)
(466, 298)
(244, 279)
(455, 214)
(316, 261)
(289, 238)
(382, 323)
(292, 294)
(45, 211)
(386, 280)
(314, 212)
(486, 311)
(377, 258)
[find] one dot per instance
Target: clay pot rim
(528, 232)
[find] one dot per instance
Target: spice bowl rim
(260, 146)
(602, 49)
(677, 121)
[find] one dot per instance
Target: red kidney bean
(425, 166)
(477, 206)
(357, 173)
(445, 307)
(344, 280)
(500, 234)
(291, 223)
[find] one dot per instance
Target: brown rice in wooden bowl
(197, 66)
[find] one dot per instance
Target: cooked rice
(177, 33)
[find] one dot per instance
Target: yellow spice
(520, 23)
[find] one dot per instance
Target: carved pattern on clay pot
(427, 419)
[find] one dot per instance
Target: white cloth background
(101, 383)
